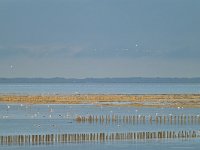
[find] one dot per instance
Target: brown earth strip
(162, 100)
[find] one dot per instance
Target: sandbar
(127, 100)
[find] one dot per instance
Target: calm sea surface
(24, 119)
(86, 88)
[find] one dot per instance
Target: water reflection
(83, 122)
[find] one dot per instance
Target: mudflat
(153, 100)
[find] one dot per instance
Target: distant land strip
(101, 80)
(179, 101)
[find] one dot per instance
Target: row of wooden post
(181, 119)
(96, 137)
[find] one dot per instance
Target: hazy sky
(99, 38)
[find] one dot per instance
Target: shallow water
(125, 145)
(18, 119)
(21, 119)
(42, 119)
(104, 88)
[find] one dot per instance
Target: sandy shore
(163, 100)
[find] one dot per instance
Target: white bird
(11, 66)
(36, 125)
(4, 117)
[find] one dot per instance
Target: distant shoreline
(101, 80)
(126, 100)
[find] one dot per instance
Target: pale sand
(162, 100)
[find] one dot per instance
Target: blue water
(35, 119)
(24, 119)
(46, 119)
(104, 88)
(124, 145)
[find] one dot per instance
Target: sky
(99, 38)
